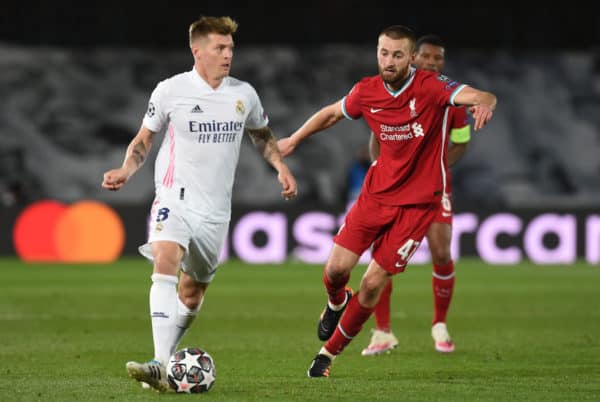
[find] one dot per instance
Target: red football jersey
(411, 126)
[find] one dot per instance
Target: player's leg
(361, 227)
(335, 278)
(357, 312)
(168, 239)
(198, 270)
(199, 267)
(189, 302)
(382, 309)
(439, 237)
(382, 339)
(167, 256)
(163, 296)
(391, 253)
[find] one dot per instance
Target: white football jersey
(204, 127)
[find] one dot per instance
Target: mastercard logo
(83, 232)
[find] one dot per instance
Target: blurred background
(75, 81)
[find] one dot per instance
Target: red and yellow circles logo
(83, 232)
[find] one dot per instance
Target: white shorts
(202, 240)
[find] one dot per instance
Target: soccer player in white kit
(204, 113)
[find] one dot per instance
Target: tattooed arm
(264, 141)
(136, 154)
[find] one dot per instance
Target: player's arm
(459, 138)
(264, 141)
(323, 119)
(482, 104)
(135, 156)
(456, 152)
(374, 147)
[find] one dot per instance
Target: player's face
(394, 57)
(214, 54)
(430, 57)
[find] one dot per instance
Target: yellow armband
(461, 135)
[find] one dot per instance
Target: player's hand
(286, 146)
(288, 183)
(115, 179)
(482, 114)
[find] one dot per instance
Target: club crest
(239, 107)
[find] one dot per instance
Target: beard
(393, 77)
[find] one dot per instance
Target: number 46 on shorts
(405, 252)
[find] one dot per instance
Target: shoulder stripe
(456, 91)
(345, 113)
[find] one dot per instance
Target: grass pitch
(522, 333)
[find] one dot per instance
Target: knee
(440, 254)
(336, 271)
(166, 263)
(167, 256)
(370, 290)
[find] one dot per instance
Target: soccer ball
(191, 371)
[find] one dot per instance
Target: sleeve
(460, 129)
(351, 103)
(156, 115)
(257, 118)
(444, 88)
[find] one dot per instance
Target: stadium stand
(68, 113)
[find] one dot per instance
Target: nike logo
(375, 110)
(398, 265)
(446, 214)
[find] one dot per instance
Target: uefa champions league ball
(191, 371)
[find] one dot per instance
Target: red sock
(351, 322)
(382, 309)
(443, 285)
(336, 290)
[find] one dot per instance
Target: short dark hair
(430, 39)
(400, 32)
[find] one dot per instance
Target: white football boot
(152, 373)
(381, 342)
(443, 342)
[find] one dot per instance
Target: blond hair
(207, 25)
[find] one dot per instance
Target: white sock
(163, 312)
(327, 353)
(338, 307)
(185, 317)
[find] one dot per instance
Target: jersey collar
(198, 79)
(411, 76)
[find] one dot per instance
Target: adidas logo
(197, 109)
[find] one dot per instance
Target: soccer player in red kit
(430, 55)
(407, 109)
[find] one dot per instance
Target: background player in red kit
(430, 55)
(407, 109)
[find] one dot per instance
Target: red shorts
(444, 214)
(394, 231)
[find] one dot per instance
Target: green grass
(522, 333)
